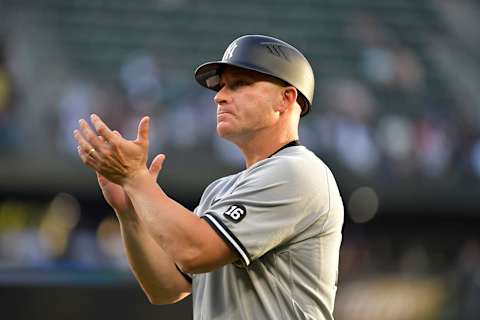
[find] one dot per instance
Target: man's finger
(156, 165)
(84, 146)
(143, 128)
(102, 129)
(87, 159)
(88, 134)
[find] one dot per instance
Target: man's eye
(238, 84)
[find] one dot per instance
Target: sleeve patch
(235, 213)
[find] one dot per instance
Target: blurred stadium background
(396, 116)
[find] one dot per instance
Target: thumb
(156, 165)
(143, 128)
(102, 181)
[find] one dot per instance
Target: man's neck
(263, 144)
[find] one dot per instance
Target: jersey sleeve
(273, 202)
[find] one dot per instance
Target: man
(263, 243)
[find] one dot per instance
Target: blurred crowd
(7, 130)
(51, 234)
(400, 113)
(384, 278)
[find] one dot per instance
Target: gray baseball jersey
(283, 217)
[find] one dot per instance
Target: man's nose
(222, 96)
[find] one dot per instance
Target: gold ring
(91, 151)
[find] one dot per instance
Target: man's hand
(109, 154)
(116, 196)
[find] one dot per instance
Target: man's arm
(189, 240)
(191, 243)
(153, 268)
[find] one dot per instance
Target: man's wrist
(136, 177)
(126, 215)
(137, 180)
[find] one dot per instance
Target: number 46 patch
(235, 213)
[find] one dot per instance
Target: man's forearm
(189, 240)
(152, 267)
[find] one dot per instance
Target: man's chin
(225, 131)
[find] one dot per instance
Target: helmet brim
(215, 68)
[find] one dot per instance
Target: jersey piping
(228, 237)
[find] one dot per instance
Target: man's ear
(289, 97)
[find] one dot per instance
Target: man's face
(246, 103)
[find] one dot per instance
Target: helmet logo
(229, 52)
(276, 50)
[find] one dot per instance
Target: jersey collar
(290, 144)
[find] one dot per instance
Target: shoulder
(215, 187)
(219, 182)
(296, 165)
(295, 160)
